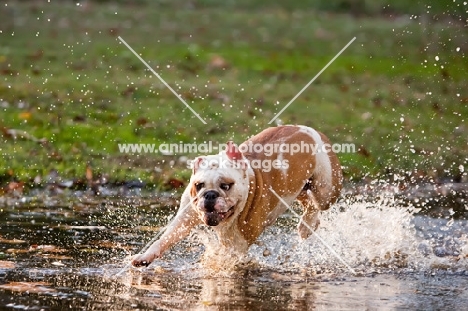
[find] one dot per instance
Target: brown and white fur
(226, 193)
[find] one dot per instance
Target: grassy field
(398, 92)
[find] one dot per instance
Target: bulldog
(232, 192)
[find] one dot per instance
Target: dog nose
(211, 195)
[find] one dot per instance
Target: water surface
(64, 254)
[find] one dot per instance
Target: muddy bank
(435, 199)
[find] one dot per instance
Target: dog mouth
(227, 213)
(215, 217)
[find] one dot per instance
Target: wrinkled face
(219, 188)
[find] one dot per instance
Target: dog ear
(196, 164)
(232, 151)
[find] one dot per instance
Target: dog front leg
(178, 229)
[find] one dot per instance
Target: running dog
(234, 191)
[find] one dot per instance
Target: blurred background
(70, 91)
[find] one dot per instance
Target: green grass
(65, 76)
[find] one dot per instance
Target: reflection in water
(67, 257)
(250, 291)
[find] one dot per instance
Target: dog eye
(199, 186)
(225, 187)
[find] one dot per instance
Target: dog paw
(305, 230)
(143, 260)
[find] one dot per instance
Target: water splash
(371, 235)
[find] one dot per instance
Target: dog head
(220, 185)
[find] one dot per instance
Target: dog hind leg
(309, 219)
(316, 196)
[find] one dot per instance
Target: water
(62, 253)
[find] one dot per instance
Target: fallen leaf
(55, 155)
(217, 62)
(84, 227)
(79, 118)
(12, 241)
(142, 121)
(4, 264)
(89, 174)
(128, 91)
(46, 249)
(57, 257)
(14, 187)
(19, 134)
(25, 115)
(113, 31)
(207, 303)
(377, 101)
(36, 55)
(8, 72)
(111, 245)
(28, 287)
(16, 251)
(364, 152)
(174, 183)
